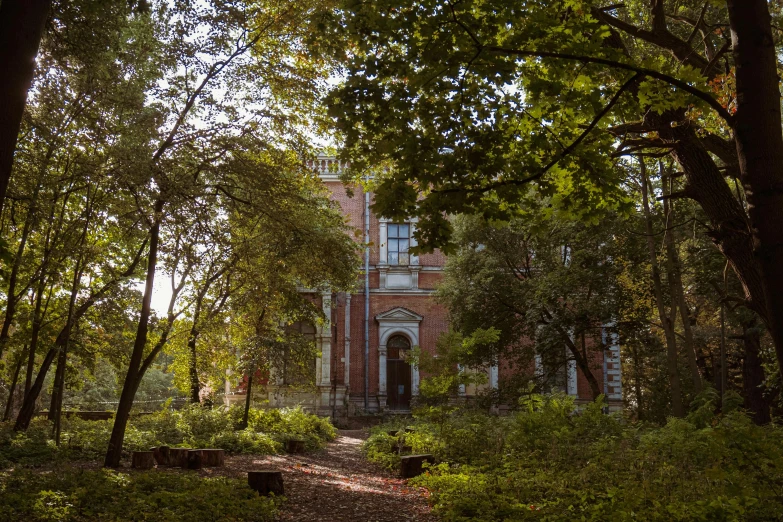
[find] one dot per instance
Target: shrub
(193, 426)
(79, 495)
(549, 462)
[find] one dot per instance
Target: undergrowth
(549, 462)
(105, 495)
(192, 427)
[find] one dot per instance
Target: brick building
(362, 346)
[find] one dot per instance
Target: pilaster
(323, 364)
(347, 356)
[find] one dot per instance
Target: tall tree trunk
(757, 134)
(583, 363)
(58, 390)
(21, 28)
(34, 334)
(678, 293)
(13, 277)
(753, 373)
(130, 385)
(637, 384)
(12, 389)
(579, 355)
(195, 386)
(678, 408)
(248, 396)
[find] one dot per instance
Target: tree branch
(565, 152)
(709, 100)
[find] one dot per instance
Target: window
(397, 346)
(298, 363)
(398, 243)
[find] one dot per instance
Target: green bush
(193, 427)
(549, 462)
(79, 495)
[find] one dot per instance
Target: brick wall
(435, 316)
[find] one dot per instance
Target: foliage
(554, 462)
(191, 427)
(86, 495)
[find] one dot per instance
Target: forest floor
(336, 484)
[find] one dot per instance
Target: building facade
(363, 343)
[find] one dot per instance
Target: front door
(398, 374)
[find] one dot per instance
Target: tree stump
(195, 460)
(294, 446)
(178, 457)
(266, 482)
(161, 454)
(211, 458)
(411, 465)
(142, 460)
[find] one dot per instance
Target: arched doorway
(398, 373)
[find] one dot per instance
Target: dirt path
(338, 485)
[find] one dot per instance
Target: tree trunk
(58, 389)
(583, 364)
(11, 298)
(114, 451)
(757, 134)
(705, 184)
(14, 380)
(678, 408)
(753, 373)
(21, 28)
(678, 293)
(248, 395)
(195, 386)
(34, 334)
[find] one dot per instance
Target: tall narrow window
(398, 243)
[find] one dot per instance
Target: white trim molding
(397, 321)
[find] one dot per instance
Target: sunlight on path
(337, 484)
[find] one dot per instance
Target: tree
(240, 84)
(21, 28)
(477, 102)
(546, 285)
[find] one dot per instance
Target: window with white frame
(398, 243)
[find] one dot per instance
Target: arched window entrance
(398, 373)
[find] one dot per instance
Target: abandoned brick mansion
(362, 367)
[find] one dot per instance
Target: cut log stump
(142, 460)
(178, 457)
(161, 454)
(195, 459)
(211, 458)
(411, 465)
(294, 446)
(266, 482)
